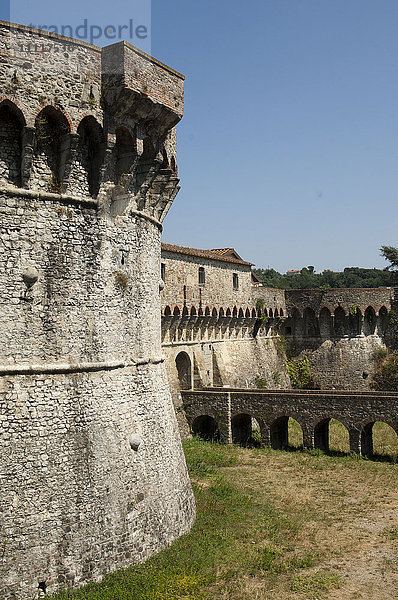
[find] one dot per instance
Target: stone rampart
(92, 472)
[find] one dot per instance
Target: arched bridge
(230, 413)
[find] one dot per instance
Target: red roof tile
(223, 254)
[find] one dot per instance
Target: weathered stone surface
(311, 409)
(81, 371)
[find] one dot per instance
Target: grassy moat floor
(278, 525)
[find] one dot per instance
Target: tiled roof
(217, 254)
(231, 252)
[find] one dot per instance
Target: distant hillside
(351, 277)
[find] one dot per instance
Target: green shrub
(261, 383)
(385, 377)
(300, 374)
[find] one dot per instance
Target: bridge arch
(322, 434)
(241, 426)
(206, 427)
(367, 436)
(279, 432)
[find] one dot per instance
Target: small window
(235, 281)
(201, 276)
(163, 271)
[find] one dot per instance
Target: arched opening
(331, 435)
(281, 313)
(11, 125)
(234, 312)
(228, 313)
(240, 314)
(369, 322)
(311, 328)
(184, 370)
(254, 313)
(325, 323)
(382, 322)
(247, 313)
(279, 431)
(193, 311)
(340, 328)
(167, 311)
(354, 321)
(270, 313)
(90, 155)
(52, 147)
(176, 311)
(241, 429)
(206, 427)
(378, 439)
(207, 311)
(286, 433)
(295, 435)
(296, 323)
(221, 313)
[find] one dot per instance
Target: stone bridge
(227, 414)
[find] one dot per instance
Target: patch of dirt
(346, 512)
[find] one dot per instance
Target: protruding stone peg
(135, 442)
(30, 276)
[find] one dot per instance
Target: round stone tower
(92, 474)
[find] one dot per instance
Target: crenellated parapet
(90, 123)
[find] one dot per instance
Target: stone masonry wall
(217, 291)
(92, 473)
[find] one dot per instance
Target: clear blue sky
(288, 149)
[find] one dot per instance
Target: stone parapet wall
(345, 298)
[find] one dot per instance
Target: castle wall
(80, 501)
(182, 286)
(92, 473)
(337, 329)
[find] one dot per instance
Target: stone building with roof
(220, 327)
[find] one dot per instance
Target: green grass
(315, 583)
(261, 529)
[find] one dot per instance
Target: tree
(391, 254)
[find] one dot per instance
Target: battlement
(88, 122)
